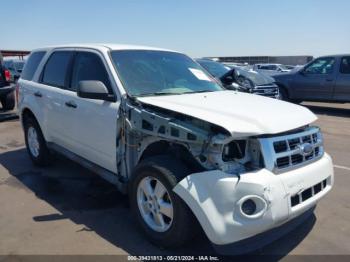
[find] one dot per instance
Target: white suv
(155, 124)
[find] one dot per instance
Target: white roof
(102, 47)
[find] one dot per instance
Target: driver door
(316, 81)
(91, 124)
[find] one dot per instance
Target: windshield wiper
(172, 93)
(158, 94)
(199, 91)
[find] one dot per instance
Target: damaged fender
(215, 197)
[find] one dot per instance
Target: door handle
(38, 94)
(329, 79)
(71, 104)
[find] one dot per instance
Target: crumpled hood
(239, 113)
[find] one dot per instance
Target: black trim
(253, 243)
(68, 80)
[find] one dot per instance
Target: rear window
(55, 70)
(32, 64)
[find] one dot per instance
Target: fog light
(252, 206)
(249, 207)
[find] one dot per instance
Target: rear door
(342, 87)
(316, 81)
(52, 82)
(91, 125)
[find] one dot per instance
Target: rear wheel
(35, 143)
(8, 102)
(161, 214)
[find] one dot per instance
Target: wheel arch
(177, 150)
(284, 87)
(26, 112)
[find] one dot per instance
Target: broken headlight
(234, 150)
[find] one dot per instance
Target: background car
(15, 66)
(7, 96)
(239, 65)
(270, 69)
(323, 79)
(243, 80)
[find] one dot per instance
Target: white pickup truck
(246, 168)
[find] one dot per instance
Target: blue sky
(198, 28)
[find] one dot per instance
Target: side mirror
(94, 90)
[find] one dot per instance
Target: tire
(8, 102)
(35, 143)
(168, 172)
(283, 94)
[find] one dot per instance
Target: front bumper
(6, 89)
(213, 197)
(255, 242)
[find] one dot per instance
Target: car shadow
(329, 111)
(87, 200)
(7, 115)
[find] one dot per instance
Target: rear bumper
(6, 89)
(216, 199)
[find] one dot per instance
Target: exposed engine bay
(211, 146)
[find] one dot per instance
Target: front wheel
(162, 215)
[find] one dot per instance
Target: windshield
(148, 72)
(283, 67)
(256, 77)
(214, 68)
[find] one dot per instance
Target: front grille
(266, 90)
(308, 193)
(292, 150)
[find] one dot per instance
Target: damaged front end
(239, 186)
(211, 147)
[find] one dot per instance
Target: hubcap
(155, 204)
(33, 141)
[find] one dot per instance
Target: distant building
(286, 60)
(13, 53)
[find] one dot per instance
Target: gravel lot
(65, 209)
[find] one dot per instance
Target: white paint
(213, 197)
(240, 113)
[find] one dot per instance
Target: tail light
(7, 75)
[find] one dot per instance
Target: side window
(321, 66)
(31, 65)
(345, 65)
(55, 71)
(89, 66)
(268, 67)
